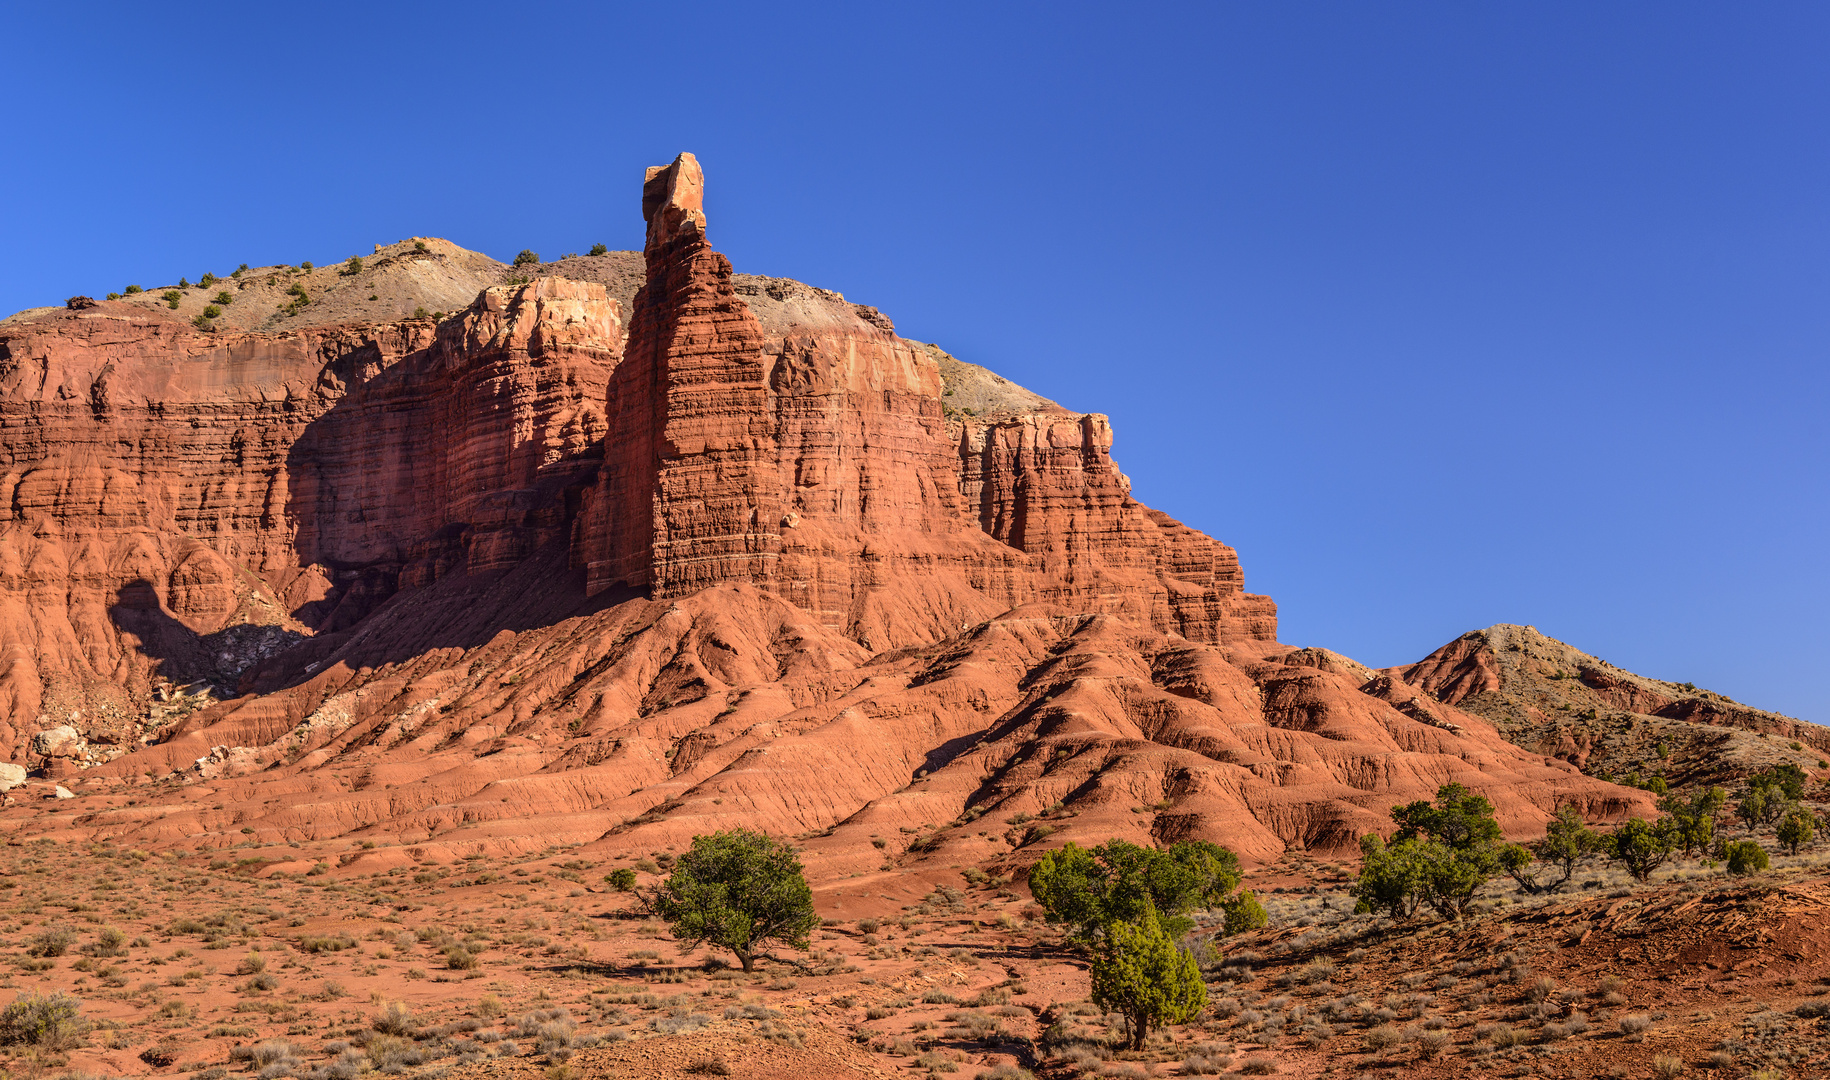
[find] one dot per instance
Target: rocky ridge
(1551, 697)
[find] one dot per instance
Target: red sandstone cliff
(747, 568)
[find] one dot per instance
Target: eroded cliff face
(181, 505)
(771, 434)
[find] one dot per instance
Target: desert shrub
(708, 1066)
(1383, 1036)
(598, 249)
(1634, 1025)
(387, 1052)
(1432, 1043)
(211, 311)
(47, 1021)
(53, 942)
(1667, 1067)
(354, 266)
(526, 258)
(458, 958)
(203, 322)
(131, 289)
(394, 1019)
(225, 298)
(621, 879)
(306, 265)
(266, 1053)
(171, 298)
(1746, 857)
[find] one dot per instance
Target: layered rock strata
(168, 493)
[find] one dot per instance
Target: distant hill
(1556, 699)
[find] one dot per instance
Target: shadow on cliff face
(458, 611)
(182, 655)
(421, 483)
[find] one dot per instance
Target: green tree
(1391, 878)
(1694, 819)
(1451, 877)
(354, 266)
(1139, 973)
(526, 258)
(1745, 857)
(1787, 777)
(1441, 855)
(1751, 806)
(738, 890)
(621, 879)
(1243, 912)
(598, 249)
(1566, 840)
(225, 298)
(1796, 829)
(1119, 881)
(1642, 846)
(1459, 819)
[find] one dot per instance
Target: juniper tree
(738, 890)
(1090, 888)
(1139, 973)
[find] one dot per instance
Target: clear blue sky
(1444, 315)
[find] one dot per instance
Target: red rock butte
(549, 571)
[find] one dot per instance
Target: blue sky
(1443, 314)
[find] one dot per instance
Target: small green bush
(598, 249)
(114, 296)
(203, 322)
(50, 1022)
(306, 265)
(184, 283)
(419, 245)
(240, 270)
(208, 279)
(171, 298)
(211, 311)
(1746, 857)
(622, 879)
(526, 258)
(225, 298)
(354, 266)
(131, 289)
